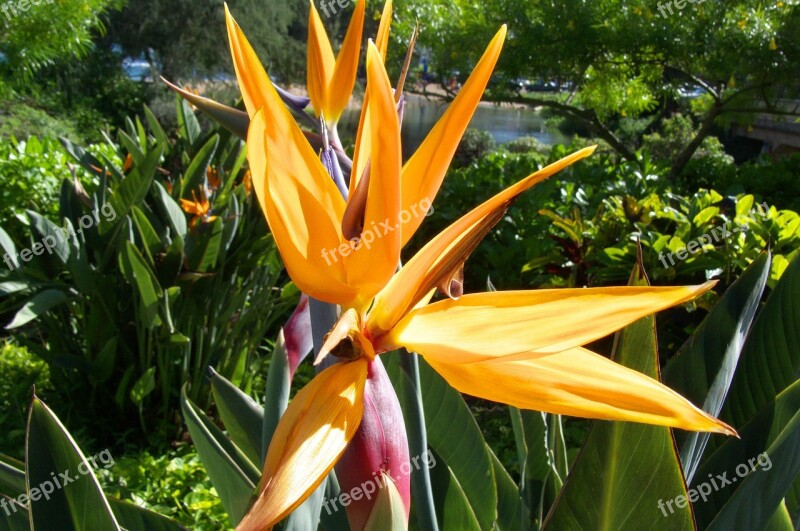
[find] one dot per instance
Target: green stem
(421, 491)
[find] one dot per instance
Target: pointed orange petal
(448, 249)
(382, 37)
(423, 173)
(253, 79)
(576, 382)
(301, 203)
(375, 260)
(309, 439)
(321, 63)
(344, 73)
(542, 321)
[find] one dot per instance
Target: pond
(503, 123)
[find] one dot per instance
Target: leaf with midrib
(624, 469)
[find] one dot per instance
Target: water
(503, 123)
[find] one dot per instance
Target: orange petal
(444, 252)
(301, 203)
(253, 79)
(375, 260)
(541, 321)
(321, 63)
(576, 382)
(309, 439)
(423, 173)
(344, 74)
(382, 37)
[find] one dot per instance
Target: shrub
(474, 145)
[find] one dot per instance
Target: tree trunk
(685, 156)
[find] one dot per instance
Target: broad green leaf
(195, 174)
(151, 241)
(39, 304)
(14, 516)
(12, 477)
(453, 508)
(242, 417)
(133, 188)
(762, 491)
(704, 368)
(134, 518)
(773, 436)
(132, 146)
(512, 513)
(188, 126)
(448, 419)
(780, 521)
(232, 474)
(155, 127)
(770, 360)
(625, 471)
(138, 274)
(203, 245)
(8, 247)
(52, 457)
(277, 393)
(54, 238)
(172, 211)
(143, 386)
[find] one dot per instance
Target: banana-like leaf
(766, 455)
(37, 305)
(625, 471)
(155, 127)
(133, 189)
(138, 274)
(13, 517)
(12, 476)
(64, 492)
(453, 507)
(448, 419)
(203, 245)
(512, 513)
(188, 126)
(704, 368)
(195, 174)
(770, 361)
(232, 474)
(172, 211)
(48, 229)
(240, 414)
(277, 394)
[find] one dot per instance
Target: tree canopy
(626, 59)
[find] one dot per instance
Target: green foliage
(132, 299)
(32, 172)
(474, 144)
(676, 132)
(30, 40)
(174, 484)
(526, 144)
(57, 488)
(21, 371)
(175, 36)
(618, 59)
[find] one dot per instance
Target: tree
(48, 31)
(187, 37)
(628, 58)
